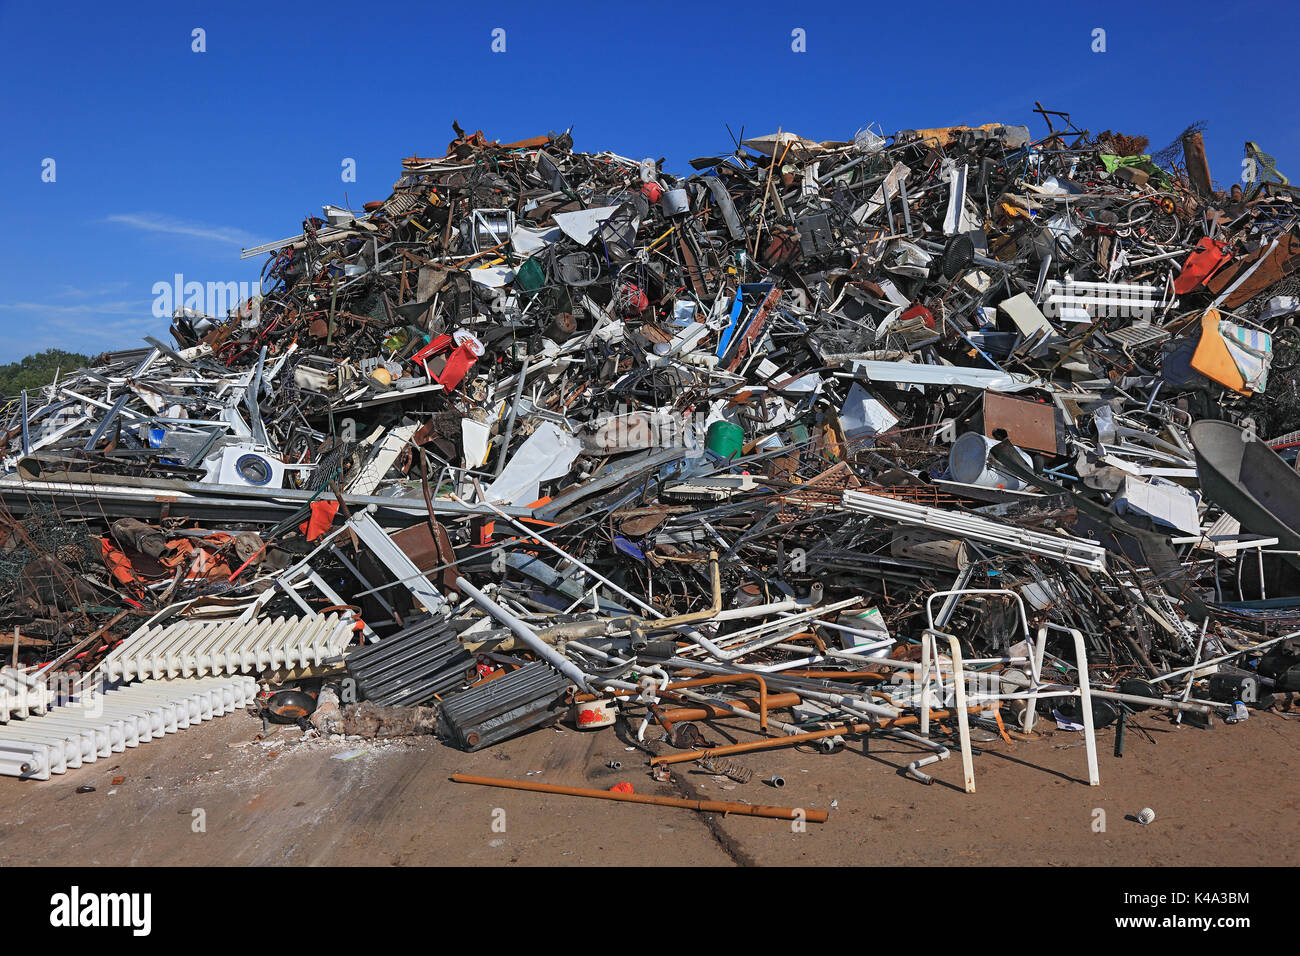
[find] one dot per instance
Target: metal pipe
(963, 718)
(792, 739)
(760, 643)
(704, 806)
(681, 691)
(525, 634)
(731, 679)
(1065, 690)
(1200, 645)
(940, 753)
(839, 700)
(1224, 657)
(533, 534)
(510, 422)
(714, 711)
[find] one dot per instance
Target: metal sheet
(1026, 424)
(912, 373)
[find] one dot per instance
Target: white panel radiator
(21, 694)
(105, 723)
(192, 648)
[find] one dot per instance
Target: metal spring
(726, 768)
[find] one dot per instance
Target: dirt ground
(1223, 796)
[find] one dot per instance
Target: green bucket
(724, 439)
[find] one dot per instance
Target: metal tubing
(1085, 702)
(731, 679)
(963, 720)
(913, 769)
(1224, 657)
(704, 806)
(525, 634)
(510, 422)
(792, 739)
(714, 711)
(762, 642)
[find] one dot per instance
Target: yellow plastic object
(1212, 358)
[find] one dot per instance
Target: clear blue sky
(168, 161)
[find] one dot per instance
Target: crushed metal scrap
(948, 431)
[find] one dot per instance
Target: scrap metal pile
(822, 439)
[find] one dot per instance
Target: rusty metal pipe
(835, 675)
(764, 699)
(797, 738)
(712, 711)
(704, 806)
(731, 679)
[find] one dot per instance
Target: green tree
(36, 370)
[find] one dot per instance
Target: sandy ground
(1223, 796)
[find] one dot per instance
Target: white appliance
(245, 465)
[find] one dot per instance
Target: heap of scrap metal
(821, 438)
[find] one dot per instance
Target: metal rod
(704, 806)
(525, 634)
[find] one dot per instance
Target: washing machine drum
(254, 469)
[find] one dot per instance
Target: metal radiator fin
(102, 724)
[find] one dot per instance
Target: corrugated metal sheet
(102, 724)
(193, 648)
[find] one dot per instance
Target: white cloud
(107, 308)
(153, 222)
(72, 292)
(86, 327)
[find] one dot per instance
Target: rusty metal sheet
(1026, 424)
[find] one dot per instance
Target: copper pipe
(730, 679)
(807, 636)
(704, 806)
(798, 738)
(703, 711)
(709, 711)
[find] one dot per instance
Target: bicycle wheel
(1286, 348)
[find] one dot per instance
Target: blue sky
(168, 161)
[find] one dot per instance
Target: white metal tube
(963, 719)
(525, 634)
